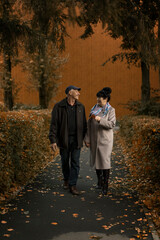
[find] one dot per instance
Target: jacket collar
(63, 103)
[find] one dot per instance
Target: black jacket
(59, 124)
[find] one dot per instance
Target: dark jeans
(70, 162)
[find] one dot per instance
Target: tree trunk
(42, 88)
(8, 94)
(42, 81)
(159, 44)
(42, 94)
(145, 88)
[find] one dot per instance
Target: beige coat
(100, 137)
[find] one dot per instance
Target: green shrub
(24, 146)
(151, 108)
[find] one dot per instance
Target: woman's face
(101, 101)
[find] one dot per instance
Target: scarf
(96, 109)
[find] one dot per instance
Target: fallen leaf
(6, 235)
(61, 195)
(88, 177)
(75, 215)
(95, 237)
(63, 210)
(54, 223)
(105, 227)
(100, 218)
(3, 222)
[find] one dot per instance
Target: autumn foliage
(141, 141)
(24, 146)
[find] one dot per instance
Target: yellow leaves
(105, 227)
(88, 177)
(100, 218)
(55, 193)
(75, 215)
(82, 199)
(95, 237)
(63, 210)
(6, 235)
(54, 223)
(3, 222)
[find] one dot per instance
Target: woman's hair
(105, 93)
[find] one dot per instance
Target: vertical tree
(49, 19)
(45, 72)
(134, 22)
(12, 31)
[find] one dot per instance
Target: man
(67, 131)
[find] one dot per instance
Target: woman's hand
(54, 147)
(97, 118)
(87, 144)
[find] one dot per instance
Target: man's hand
(54, 146)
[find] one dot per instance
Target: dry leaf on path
(75, 215)
(54, 223)
(3, 222)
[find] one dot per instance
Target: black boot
(105, 183)
(105, 188)
(100, 179)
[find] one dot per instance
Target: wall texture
(84, 69)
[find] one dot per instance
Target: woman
(99, 137)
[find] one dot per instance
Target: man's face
(74, 94)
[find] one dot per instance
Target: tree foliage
(48, 18)
(35, 26)
(135, 22)
(12, 31)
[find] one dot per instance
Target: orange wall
(84, 70)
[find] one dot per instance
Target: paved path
(44, 211)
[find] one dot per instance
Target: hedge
(141, 141)
(142, 135)
(24, 146)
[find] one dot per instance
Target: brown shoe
(65, 185)
(74, 190)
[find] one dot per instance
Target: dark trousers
(70, 162)
(103, 174)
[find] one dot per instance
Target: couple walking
(68, 130)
